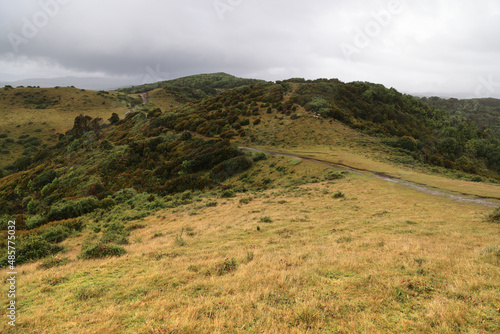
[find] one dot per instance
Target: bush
(124, 195)
(226, 267)
(72, 209)
(228, 194)
(338, 195)
(53, 261)
(96, 249)
(44, 179)
(259, 156)
(107, 203)
(115, 233)
(35, 221)
(56, 234)
(31, 248)
(230, 167)
(186, 135)
(494, 217)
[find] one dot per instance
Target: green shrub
(35, 221)
(53, 261)
(107, 203)
(335, 176)
(258, 156)
(338, 194)
(226, 267)
(266, 219)
(44, 179)
(230, 167)
(115, 233)
(96, 249)
(31, 248)
(494, 217)
(56, 234)
(124, 195)
(72, 209)
(228, 194)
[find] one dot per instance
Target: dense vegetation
(210, 84)
(97, 165)
(431, 135)
(485, 112)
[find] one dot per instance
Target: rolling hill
(226, 205)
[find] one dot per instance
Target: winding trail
(145, 100)
(464, 198)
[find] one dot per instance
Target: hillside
(33, 118)
(297, 206)
(201, 84)
(485, 112)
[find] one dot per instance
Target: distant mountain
(93, 83)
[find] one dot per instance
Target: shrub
(96, 249)
(53, 261)
(494, 217)
(31, 248)
(334, 176)
(226, 267)
(72, 209)
(338, 194)
(186, 135)
(44, 179)
(56, 234)
(115, 233)
(259, 156)
(228, 194)
(107, 203)
(124, 195)
(230, 167)
(35, 221)
(266, 219)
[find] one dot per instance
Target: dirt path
(464, 198)
(145, 100)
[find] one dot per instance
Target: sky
(428, 47)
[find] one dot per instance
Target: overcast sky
(416, 46)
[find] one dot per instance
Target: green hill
(202, 84)
(485, 112)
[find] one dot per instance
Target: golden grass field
(292, 259)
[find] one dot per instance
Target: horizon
(444, 47)
(97, 86)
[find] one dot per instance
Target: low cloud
(441, 47)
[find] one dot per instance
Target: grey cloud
(444, 46)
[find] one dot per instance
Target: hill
(297, 206)
(201, 84)
(35, 117)
(485, 112)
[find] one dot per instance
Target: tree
(114, 118)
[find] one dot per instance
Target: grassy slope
(19, 118)
(337, 143)
(382, 259)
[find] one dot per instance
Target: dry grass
(46, 124)
(384, 259)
